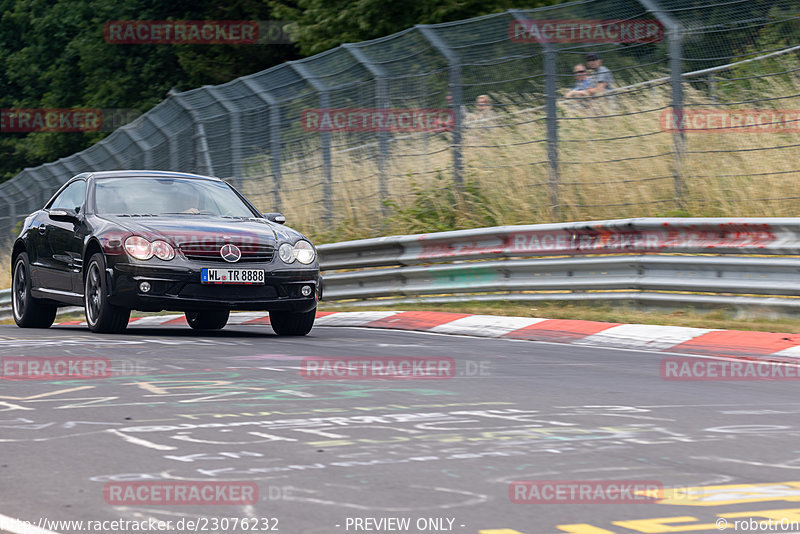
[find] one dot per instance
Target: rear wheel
(29, 312)
(292, 323)
(101, 316)
(207, 319)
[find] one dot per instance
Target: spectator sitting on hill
(601, 80)
(484, 115)
(582, 82)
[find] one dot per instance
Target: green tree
(53, 55)
(325, 24)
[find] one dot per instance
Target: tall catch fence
(531, 156)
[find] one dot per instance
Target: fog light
(306, 290)
(144, 287)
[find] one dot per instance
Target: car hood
(207, 229)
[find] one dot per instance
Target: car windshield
(154, 196)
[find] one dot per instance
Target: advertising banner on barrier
(608, 237)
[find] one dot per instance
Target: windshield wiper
(190, 213)
(135, 215)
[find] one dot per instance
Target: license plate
(232, 276)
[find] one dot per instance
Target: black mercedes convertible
(118, 241)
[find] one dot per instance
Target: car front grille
(251, 252)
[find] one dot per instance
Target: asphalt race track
(363, 455)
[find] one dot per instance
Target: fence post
(12, 214)
(139, 141)
(42, 188)
(274, 135)
(236, 135)
(57, 179)
(551, 117)
(551, 95)
(455, 91)
(201, 152)
(324, 102)
(382, 102)
(675, 37)
(26, 198)
(172, 141)
(712, 87)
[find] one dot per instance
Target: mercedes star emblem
(230, 253)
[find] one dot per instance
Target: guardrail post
(324, 102)
(382, 102)
(455, 91)
(202, 156)
(274, 135)
(675, 36)
(7, 235)
(172, 142)
(236, 134)
(551, 116)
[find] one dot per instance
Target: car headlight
(286, 253)
(139, 247)
(142, 249)
(163, 250)
(304, 252)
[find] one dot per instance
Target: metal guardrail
(5, 303)
(688, 261)
(694, 261)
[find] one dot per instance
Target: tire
(292, 323)
(207, 319)
(101, 316)
(29, 312)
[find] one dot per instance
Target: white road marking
(353, 318)
(139, 441)
(154, 320)
(485, 325)
(644, 336)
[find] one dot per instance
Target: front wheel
(207, 319)
(292, 323)
(101, 316)
(29, 312)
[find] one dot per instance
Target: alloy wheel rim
(93, 288)
(19, 292)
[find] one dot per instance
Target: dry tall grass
(5, 270)
(615, 161)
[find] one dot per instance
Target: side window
(72, 197)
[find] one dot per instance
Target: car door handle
(42, 228)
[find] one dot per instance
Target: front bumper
(178, 288)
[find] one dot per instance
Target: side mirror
(64, 215)
(275, 217)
